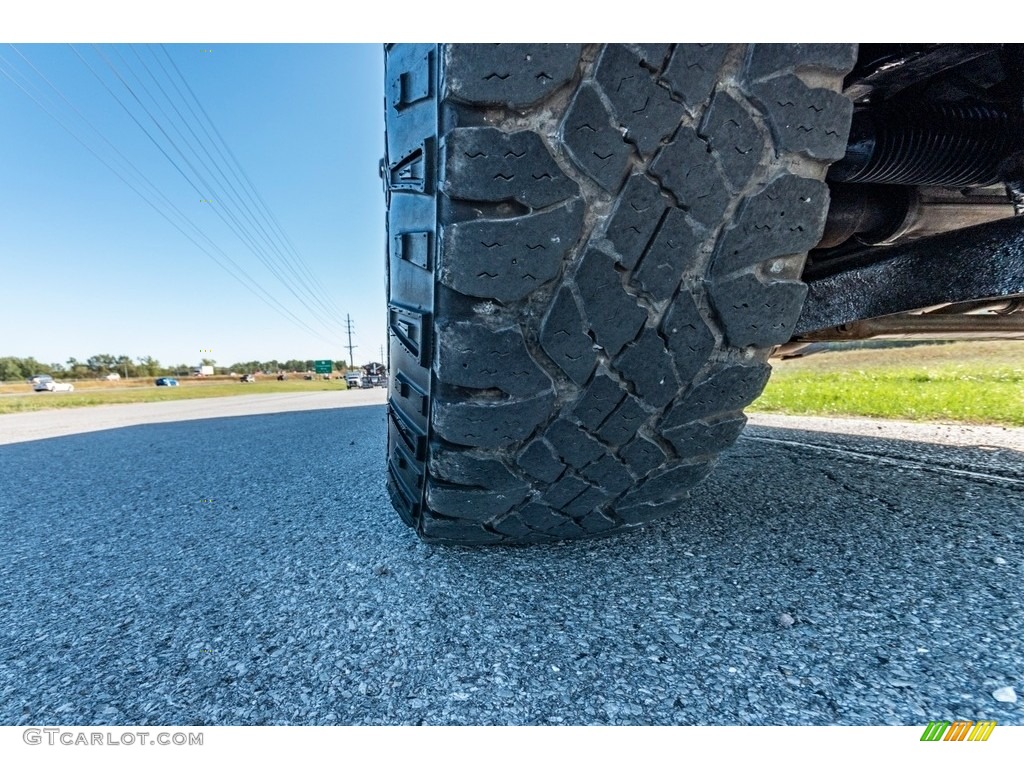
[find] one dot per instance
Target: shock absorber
(950, 145)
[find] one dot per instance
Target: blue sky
(88, 267)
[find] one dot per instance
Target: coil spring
(940, 144)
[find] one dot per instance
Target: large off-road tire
(592, 249)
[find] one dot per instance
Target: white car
(54, 386)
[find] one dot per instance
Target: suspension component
(982, 262)
(951, 145)
(877, 214)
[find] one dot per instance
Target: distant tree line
(274, 366)
(98, 366)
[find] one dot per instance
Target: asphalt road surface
(248, 569)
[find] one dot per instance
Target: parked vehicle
(112, 377)
(39, 382)
(54, 386)
(166, 381)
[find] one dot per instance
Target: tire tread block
(594, 144)
(513, 75)
(572, 444)
(474, 504)
(613, 315)
(734, 137)
(474, 356)
(609, 474)
(463, 468)
(812, 121)
(647, 365)
(624, 422)
(540, 461)
(442, 530)
(540, 517)
(599, 400)
(768, 59)
(642, 456)
(705, 438)
(596, 522)
(728, 388)
(692, 72)
(507, 259)
(756, 314)
(568, 530)
(642, 107)
(561, 493)
(784, 218)
(489, 165)
(586, 503)
(564, 338)
(674, 248)
(688, 336)
(513, 526)
(490, 425)
(634, 218)
(667, 486)
(652, 55)
(687, 168)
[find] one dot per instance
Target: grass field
(144, 391)
(974, 382)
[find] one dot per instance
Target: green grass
(82, 396)
(973, 382)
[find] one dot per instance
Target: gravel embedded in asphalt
(250, 570)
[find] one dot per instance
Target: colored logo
(961, 730)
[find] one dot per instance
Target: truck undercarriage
(921, 239)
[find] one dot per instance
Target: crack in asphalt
(888, 460)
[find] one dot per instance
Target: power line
(229, 190)
(239, 274)
(162, 151)
(283, 236)
(233, 225)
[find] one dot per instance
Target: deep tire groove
(593, 251)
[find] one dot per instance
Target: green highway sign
(323, 366)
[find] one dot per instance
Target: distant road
(37, 425)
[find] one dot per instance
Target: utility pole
(348, 327)
(382, 354)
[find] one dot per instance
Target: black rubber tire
(592, 250)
